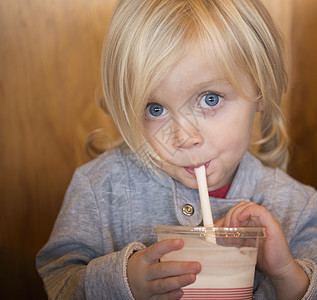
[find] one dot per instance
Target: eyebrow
(205, 83)
(192, 90)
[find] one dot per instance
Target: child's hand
(150, 279)
(274, 256)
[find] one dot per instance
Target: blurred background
(49, 87)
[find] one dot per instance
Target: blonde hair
(147, 37)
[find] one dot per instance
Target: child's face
(196, 117)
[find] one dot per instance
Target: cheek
(159, 136)
(235, 133)
(150, 131)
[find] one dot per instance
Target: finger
(166, 285)
(227, 218)
(173, 295)
(252, 221)
(235, 220)
(153, 253)
(273, 228)
(219, 223)
(260, 212)
(172, 269)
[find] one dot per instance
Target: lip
(191, 169)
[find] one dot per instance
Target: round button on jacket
(188, 210)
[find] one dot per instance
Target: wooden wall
(297, 20)
(302, 91)
(49, 75)
(49, 79)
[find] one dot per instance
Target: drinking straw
(204, 200)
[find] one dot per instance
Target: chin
(192, 184)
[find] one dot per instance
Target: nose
(186, 135)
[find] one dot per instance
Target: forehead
(195, 71)
(195, 67)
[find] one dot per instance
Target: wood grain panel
(298, 22)
(303, 104)
(50, 65)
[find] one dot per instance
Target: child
(184, 81)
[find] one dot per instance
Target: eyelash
(211, 108)
(198, 105)
(151, 118)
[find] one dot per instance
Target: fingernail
(180, 293)
(191, 278)
(196, 267)
(178, 242)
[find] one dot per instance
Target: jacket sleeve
(304, 245)
(80, 260)
(302, 238)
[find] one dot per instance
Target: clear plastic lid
(232, 232)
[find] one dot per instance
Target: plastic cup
(227, 266)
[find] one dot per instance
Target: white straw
(204, 200)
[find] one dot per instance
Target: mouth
(191, 169)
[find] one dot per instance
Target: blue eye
(210, 100)
(154, 110)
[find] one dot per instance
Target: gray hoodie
(114, 201)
